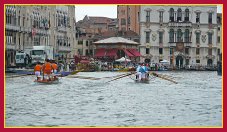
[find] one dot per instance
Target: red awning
(128, 53)
(100, 53)
(134, 52)
(111, 52)
(85, 61)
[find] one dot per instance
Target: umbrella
(123, 59)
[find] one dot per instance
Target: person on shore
(47, 68)
(37, 70)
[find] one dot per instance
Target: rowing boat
(142, 81)
(55, 81)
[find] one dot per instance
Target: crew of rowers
(142, 72)
(48, 69)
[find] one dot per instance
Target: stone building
(33, 25)
(128, 18)
(183, 35)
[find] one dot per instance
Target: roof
(114, 40)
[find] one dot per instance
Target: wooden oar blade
(163, 77)
(77, 71)
(83, 77)
(121, 77)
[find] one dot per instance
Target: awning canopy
(111, 52)
(123, 59)
(100, 53)
(116, 40)
(128, 53)
(134, 52)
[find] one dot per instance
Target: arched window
(179, 35)
(186, 18)
(171, 14)
(186, 35)
(171, 35)
(179, 14)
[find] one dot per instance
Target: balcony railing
(12, 27)
(172, 44)
(61, 28)
(10, 46)
(64, 49)
(180, 24)
(187, 44)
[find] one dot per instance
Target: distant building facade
(128, 18)
(219, 37)
(183, 35)
(27, 26)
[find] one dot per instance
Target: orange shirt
(38, 67)
(47, 66)
(55, 66)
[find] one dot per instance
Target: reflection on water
(195, 101)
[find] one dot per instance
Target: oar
(82, 77)
(121, 77)
(75, 72)
(117, 75)
(157, 75)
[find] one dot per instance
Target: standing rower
(37, 70)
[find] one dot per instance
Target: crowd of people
(48, 70)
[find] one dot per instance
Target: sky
(94, 10)
(104, 10)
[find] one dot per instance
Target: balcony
(10, 46)
(12, 27)
(210, 56)
(180, 24)
(64, 49)
(187, 44)
(61, 29)
(172, 44)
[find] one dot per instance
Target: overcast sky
(104, 10)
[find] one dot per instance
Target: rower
(144, 71)
(37, 70)
(55, 67)
(138, 73)
(47, 67)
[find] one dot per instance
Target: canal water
(195, 101)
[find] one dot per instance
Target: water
(195, 101)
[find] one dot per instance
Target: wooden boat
(54, 81)
(143, 81)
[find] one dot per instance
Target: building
(128, 18)
(183, 35)
(219, 37)
(33, 25)
(89, 27)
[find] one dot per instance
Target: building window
(171, 35)
(186, 35)
(197, 17)
(197, 61)
(147, 37)
(123, 21)
(80, 42)
(219, 28)
(160, 51)
(209, 38)
(210, 51)
(187, 62)
(210, 18)
(148, 16)
(197, 38)
(171, 51)
(171, 15)
(129, 21)
(179, 14)
(138, 16)
(87, 43)
(219, 39)
(147, 51)
(160, 37)
(219, 51)
(161, 16)
(187, 51)
(197, 51)
(87, 53)
(179, 35)
(186, 18)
